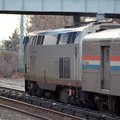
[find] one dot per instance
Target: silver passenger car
(101, 62)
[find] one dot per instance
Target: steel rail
(6, 88)
(25, 112)
(56, 113)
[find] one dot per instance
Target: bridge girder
(62, 7)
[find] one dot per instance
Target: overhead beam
(61, 7)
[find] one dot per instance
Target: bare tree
(41, 22)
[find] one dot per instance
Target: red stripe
(61, 84)
(115, 58)
(91, 57)
(65, 84)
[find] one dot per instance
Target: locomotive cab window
(64, 38)
(50, 39)
(71, 38)
(58, 38)
(40, 39)
(64, 67)
(34, 38)
(26, 40)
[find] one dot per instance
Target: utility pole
(21, 53)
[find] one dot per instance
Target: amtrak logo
(32, 60)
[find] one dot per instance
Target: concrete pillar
(100, 17)
(76, 20)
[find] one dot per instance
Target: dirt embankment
(9, 61)
(16, 76)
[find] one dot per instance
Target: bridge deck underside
(61, 7)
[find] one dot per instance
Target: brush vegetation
(8, 62)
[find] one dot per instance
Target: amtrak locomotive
(75, 65)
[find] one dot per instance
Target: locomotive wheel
(40, 92)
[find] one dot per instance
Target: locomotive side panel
(91, 67)
(47, 62)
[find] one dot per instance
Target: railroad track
(24, 112)
(12, 89)
(51, 108)
(35, 111)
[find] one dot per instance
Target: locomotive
(75, 65)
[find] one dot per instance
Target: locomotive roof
(106, 35)
(57, 31)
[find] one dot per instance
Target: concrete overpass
(110, 8)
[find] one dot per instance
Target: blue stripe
(115, 68)
(96, 67)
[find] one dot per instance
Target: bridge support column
(100, 17)
(76, 20)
